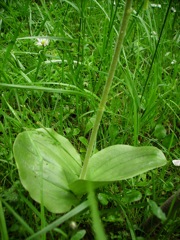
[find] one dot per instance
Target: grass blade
(19, 218)
(60, 220)
(4, 233)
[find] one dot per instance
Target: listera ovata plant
(51, 169)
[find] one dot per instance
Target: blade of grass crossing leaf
(60, 220)
(30, 205)
(36, 212)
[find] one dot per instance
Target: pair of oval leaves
(49, 167)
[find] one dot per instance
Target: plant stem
(96, 220)
(107, 86)
(4, 232)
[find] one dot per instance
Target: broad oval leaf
(47, 163)
(120, 162)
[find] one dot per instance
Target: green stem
(96, 220)
(107, 86)
(3, 228)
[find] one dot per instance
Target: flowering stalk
(107, 86)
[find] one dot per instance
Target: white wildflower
(167, 54)
(173, 9)
(176, 163)
(42, 42)
(173, 62)
(156, 5)
(73, 225)
(153, 33)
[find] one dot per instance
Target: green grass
(60, 87)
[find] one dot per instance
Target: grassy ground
(59, 86)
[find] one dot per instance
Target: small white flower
(73, 225)
(42, 42)
(154, 34)
(173, 62)
(176, 163)
(173, 9)
(156, 5)
(167, 54)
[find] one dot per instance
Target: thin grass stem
(4, 233)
